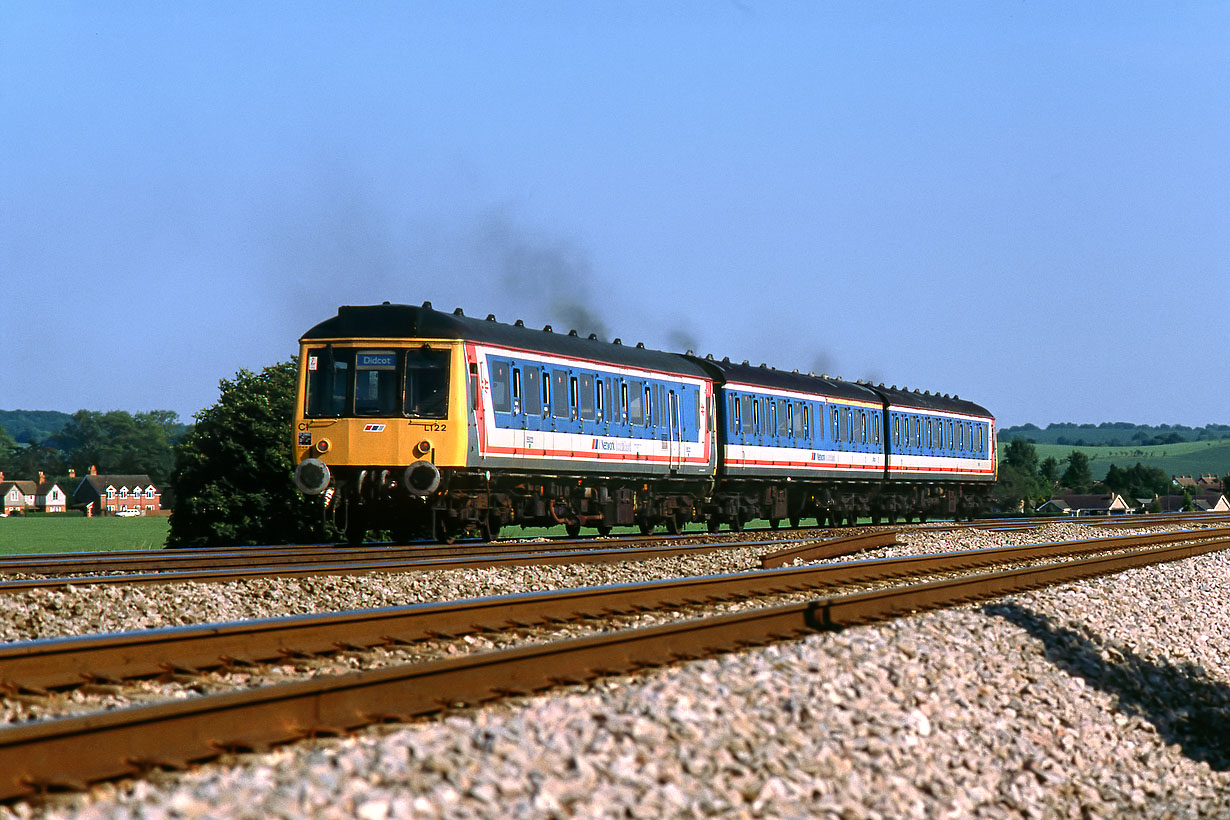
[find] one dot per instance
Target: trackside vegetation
(233, 471)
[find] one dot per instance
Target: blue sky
(1027, 204)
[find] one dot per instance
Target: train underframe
(484, 503)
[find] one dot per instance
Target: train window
(375, 384)
(533, 391)
(862, 423)
(427, 383)
(635, 402)
(875, 427)
(516, 389)
(696, 410)
(561, 406)
(835, 427)
(782, 409)
(755, 416)
(650, 418)
(807, 422)
(585, 396)
(660, 416)
(621, 396)
(790, 419)
(326, 383)
(850, 425)
(501, 389)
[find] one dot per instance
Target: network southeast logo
(373, 428)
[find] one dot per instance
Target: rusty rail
(73, 752)
(63, 662)
(523, 558)
(830, 548)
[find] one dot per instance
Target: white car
(128, 513)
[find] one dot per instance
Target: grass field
(74, 533)
(1186, 458)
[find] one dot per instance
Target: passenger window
(635, 403)
(755, 416)
(501, 393)
(516, 389)
(585, 397)
(533, 391)
(560, 404)
(836, 426)
(650, 418)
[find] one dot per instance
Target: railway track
(72, 752)
(63, 662)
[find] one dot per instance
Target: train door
(675, 434)
(518, 417)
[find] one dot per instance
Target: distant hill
(1192, 458)
(28, 426)
(1119, 434)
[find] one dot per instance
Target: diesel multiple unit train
(427, 423)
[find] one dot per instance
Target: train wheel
(672, 524)
(713, 524)
(604, 530)
(794, 522)
(736, 524)
(774, 523)
(646, 527)
(573, 528)
(490, 529)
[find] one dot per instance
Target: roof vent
(458, 312)
(386, 302)
(593, 337)
(726, 360)
(690, 352)
(763, 365)
(519, 323)
(709, 357)
(490, 317)
(427, 306)
(572, 332)
(747, 363)
(811, 373)
(640, 345)
(547, 328)
(618, 341)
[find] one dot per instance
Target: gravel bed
(1104, 698)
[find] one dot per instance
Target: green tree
(1077, 477)
(1020, 484)
(233, 471)
(10, 452)
(1049, 470)
(118, 442)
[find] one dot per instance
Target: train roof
(924, 400)
(769, 378)
(422, 321)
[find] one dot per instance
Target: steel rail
(174, 559)
(64, 662)
(73, 752)
(590, 556)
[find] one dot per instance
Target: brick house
(50, 497)
(17, 496)
(111, 494)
